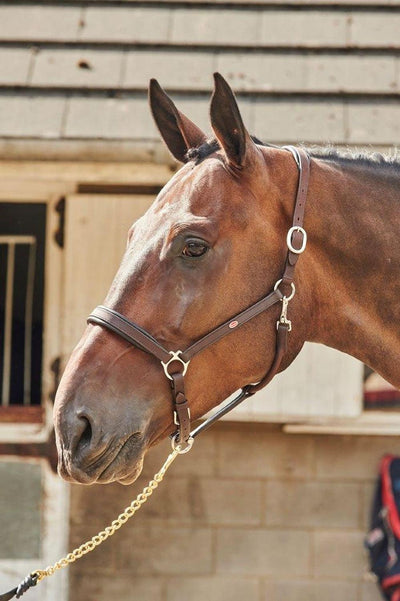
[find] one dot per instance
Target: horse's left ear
(228, 125)
(178, 131)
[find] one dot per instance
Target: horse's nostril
(87, 432)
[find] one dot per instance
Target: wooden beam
(22, 415)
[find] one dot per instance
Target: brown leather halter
(175, 363)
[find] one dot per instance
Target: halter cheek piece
(175, 363)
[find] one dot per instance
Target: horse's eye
(194, 249)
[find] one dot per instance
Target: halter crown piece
(175, 365)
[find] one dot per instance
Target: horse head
(211, 244)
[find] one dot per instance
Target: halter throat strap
(175, 363)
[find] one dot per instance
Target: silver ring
(178, 448)
(296, 228)
(286, 298)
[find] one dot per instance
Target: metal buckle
(296, 228)
(178, 447)
(175, 357)
(283, 320)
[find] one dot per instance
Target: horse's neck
(354, 259)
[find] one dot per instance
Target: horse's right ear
(178, 132)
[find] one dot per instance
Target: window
(22, 259)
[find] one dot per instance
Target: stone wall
(251, 513)
(20, 504)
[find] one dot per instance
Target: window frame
(34, 423)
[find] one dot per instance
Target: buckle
(302, 231)
(175, 356)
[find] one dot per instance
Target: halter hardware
(175, 357)
(289, 238)
(292, 293)
(283, 320)
(105, 317)
(179, 447)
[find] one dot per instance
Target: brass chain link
(115, 525)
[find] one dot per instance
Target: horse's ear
(227, 123)
(178, 132)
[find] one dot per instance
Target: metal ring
(178, 447)
(296, 228)
(175, 357)
(286, 298)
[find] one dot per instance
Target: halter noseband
(175, 363)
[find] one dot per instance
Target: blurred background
(273, 503)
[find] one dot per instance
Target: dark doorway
(22, 263)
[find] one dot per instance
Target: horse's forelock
(203, 151)
(209, 147)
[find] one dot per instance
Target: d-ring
(302, 231)
(178, 447)
(175, 357)
(287, 298)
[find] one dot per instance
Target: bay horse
(214, 242)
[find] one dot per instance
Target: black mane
(343, 157)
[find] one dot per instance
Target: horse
(218, 240)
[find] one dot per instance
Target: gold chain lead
(99, 538)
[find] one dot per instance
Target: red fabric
(380, 396)
(395, 595)
(387, 495)
(390, 581)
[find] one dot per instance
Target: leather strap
(129, 331)
(134, 334)
(280, 350)
(231, 325)
(298, 214)
(18, 591)
(182, 415)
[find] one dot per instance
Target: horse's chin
(110, 474)
(124, 473)
(125, 467)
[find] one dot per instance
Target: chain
(115, 525)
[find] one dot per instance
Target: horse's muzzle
(88, 454)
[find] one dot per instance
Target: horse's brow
(201, 223)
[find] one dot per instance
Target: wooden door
(96, 229)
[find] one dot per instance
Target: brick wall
(251, 513)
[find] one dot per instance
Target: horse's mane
(361, 158)
(345, 157)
